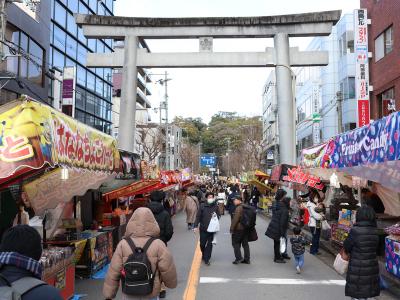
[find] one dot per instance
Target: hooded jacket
(163, 219)
(279, 222)
(362, 280)
(140, 228)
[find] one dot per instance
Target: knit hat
(157, 196)
(24, 240)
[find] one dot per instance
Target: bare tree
(152, 141)
(190, 156)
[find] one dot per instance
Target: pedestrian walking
(161, 215)
(314, 223)
(255, 197)
(20, 252)
(204, 215)
(298, 243)
(192, 206)
(362, 280)
(278, 226)
(142, 231)
(243, 221)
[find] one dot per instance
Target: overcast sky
(204, 92)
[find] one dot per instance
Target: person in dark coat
(278, 226)
(20, 252)
(204, 215)
(255, 197)
(162, 217)
(362, 280)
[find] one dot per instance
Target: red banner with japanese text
(296, 175)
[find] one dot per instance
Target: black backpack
(249, 215)
(137, 276)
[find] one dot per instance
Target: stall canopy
(37, 137)
(371, 152)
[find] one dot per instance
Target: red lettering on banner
(363, 113)
(297, 176)
(15, 149)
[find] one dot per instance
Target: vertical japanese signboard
(315, 111)
(362, 70)
(68, 91)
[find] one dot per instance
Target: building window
(346, 43)
(60, 14)
(384, 43)
(30, 62)
(388, 102)
(347, 87)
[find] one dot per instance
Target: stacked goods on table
(392, 249)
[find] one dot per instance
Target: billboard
(362, 68)
(208, 160)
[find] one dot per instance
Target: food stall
(367, 157)
(54, 158)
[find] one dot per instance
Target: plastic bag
(214, 224)
(325, 225)
(282, 247)
(341, 264)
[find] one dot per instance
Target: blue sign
(208, 160)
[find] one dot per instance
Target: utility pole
(339, 100)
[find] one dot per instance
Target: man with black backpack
(243, 221)
(20, 269)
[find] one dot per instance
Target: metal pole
(127, 119)
(3, 24)
(339, 101)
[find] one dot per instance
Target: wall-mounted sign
(362, 68)
(68, 91)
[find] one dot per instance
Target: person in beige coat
(140, 228)
(191, 207)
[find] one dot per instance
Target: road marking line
(193, 279)
(273, 281)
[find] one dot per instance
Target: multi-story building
(270, 122)
(321, 90)
(24, 62)
(383, 42)
(69, 48)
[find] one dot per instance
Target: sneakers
(236, 262)
(279, 261)
(247, 262)
(298, 270)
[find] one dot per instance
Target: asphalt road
(263, 279)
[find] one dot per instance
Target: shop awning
(34, 135)
(371, 152)
(138, 187)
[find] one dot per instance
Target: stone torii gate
(282, 57)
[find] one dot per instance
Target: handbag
(253, 236)
(341, 263)
(325, 225)
(282, 245)
(214, 224)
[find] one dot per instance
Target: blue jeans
(299, 260)
(316, 235)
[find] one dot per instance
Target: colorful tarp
(371, 152)
(34, 135)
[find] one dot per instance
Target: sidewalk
(393, 282)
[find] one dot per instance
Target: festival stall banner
(149, 171)
(317, 156)
(296, 175)
(129, 165)
(186, 174)
(375, 143)
(34, 135)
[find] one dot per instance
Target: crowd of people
(144, 267)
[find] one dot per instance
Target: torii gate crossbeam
(281, 28)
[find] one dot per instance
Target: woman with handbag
(362, 280)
